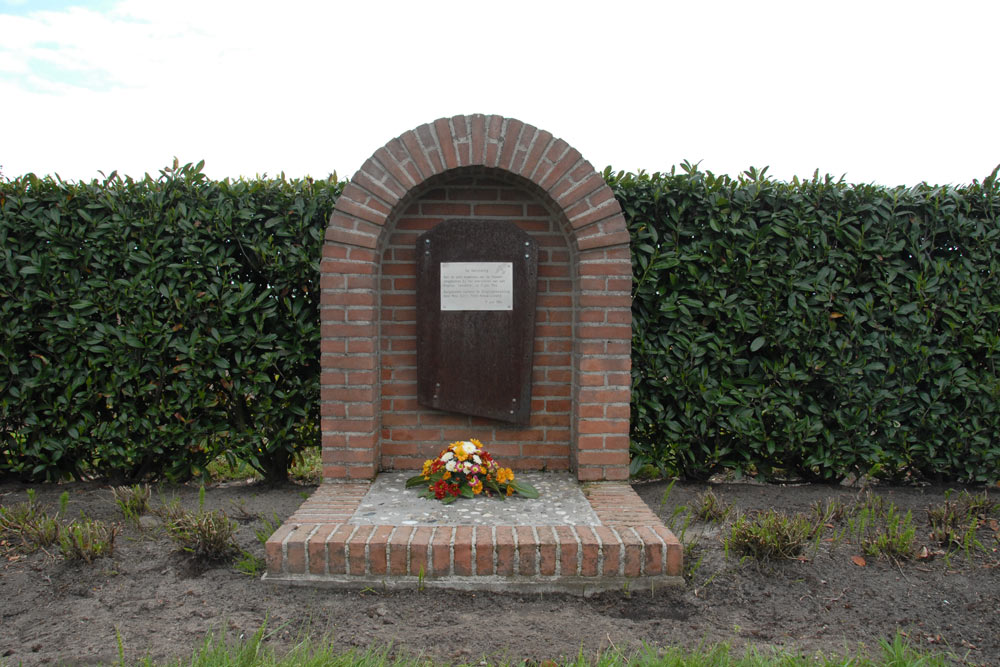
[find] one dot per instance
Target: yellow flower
(477, 488)
(447, 475)
(505, 475)
(427, 467)
(459, 450)
(510, 491)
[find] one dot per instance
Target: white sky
(877, 90)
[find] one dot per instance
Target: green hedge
(148, 326)
(810, 328)
(814, 328)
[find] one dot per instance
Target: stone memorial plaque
(476, 285)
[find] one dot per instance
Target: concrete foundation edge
(495, 584)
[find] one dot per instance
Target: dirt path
(162, 604)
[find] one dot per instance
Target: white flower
(447, 456)
(450, 466)
(475, 457)
(468, 447)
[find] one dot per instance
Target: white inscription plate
(477, 286)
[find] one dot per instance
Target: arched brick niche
(491, 168)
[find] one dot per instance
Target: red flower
(440, 489)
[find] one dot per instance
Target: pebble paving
(561, 502)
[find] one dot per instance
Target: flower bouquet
(464, 469)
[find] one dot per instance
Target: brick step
(319, 544)
(440, 551)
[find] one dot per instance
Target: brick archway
(489, 166)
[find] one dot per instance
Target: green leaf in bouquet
(416, 481)
(525, 489)
(466, 492)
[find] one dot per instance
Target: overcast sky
(879, 91)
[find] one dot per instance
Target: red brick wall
(463, 167)
(411, 433)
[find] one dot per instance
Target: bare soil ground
(162, 604)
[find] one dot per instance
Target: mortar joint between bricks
(367, 550)
(550, 162)
(493, 541)
(326, 549)
(305, 547)
(409, 541)
(579, 550)
(663, 551)
(621, 551)
(284, 548)
(538, 550)
(455, 138)
(555, 536)
(527, 153)
(472, 552)
(432, 564)
(388, 550)
(601, 546)
(436, 142)
(451, 552)
(642, 550)
(517, 551)
(348, 568)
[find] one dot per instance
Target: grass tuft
(13, 518)
(708, 507)
(955, 522)
(207, 536)
(30, 523)
(878, 528)
(892, 537)
(132, 501)
(270, 525)
(87, 540)
(250, 564)
(829, 510)
(42, 532)
(867, 501)
(769, 535)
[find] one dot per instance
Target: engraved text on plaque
(477, 286)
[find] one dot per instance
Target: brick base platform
(319, 545)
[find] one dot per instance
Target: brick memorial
(436, 328)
